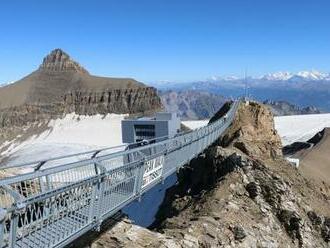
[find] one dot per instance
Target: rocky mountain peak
(60, 61)
(253, 130)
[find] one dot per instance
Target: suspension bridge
(51, 203)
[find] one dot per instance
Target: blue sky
(176, 40)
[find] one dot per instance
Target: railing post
(92, 210)
(97, 195)
(42, 185)
(13, 229)
(3, 214)
(139, 180)
(18, 206)
(48, 182)
(167, 151)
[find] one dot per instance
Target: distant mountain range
(192, 105)
(282, 76)
(197, 105)
(280, 108)
(306, 88)
(302, 75)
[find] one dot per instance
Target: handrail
(37, 162)
(69, 199)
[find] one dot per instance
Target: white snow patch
(294, 161)
(300, 127)
(278, 76)
(72, 134)
(195, 124)
(6, 83)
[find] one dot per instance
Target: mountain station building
(147, 128)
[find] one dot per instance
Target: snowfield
(76, 133)
(290, 128)
(195, 124)
(72, 134)
(300, 127)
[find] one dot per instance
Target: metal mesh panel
(28, 187)
(63, 178)
(47, 222)
(117, 187)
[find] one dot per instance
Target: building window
(144, 132)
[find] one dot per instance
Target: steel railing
(50, 206)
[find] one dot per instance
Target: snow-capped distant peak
(306, 75)
(313, 75)
(7, 83)
(215, 78)
(226, 78)
(231, 78)
(278, 76)
(302, 76)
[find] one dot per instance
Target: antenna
(246, 85)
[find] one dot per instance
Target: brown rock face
(140, 100)
(131, 101)
(58, 60)
(245, 203)
(126, 234)
(253, 132)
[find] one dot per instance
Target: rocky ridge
(237, 196)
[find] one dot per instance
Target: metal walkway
(50, 206)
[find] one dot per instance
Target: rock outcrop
(240, 196)
(125, 234)
(253, 132)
